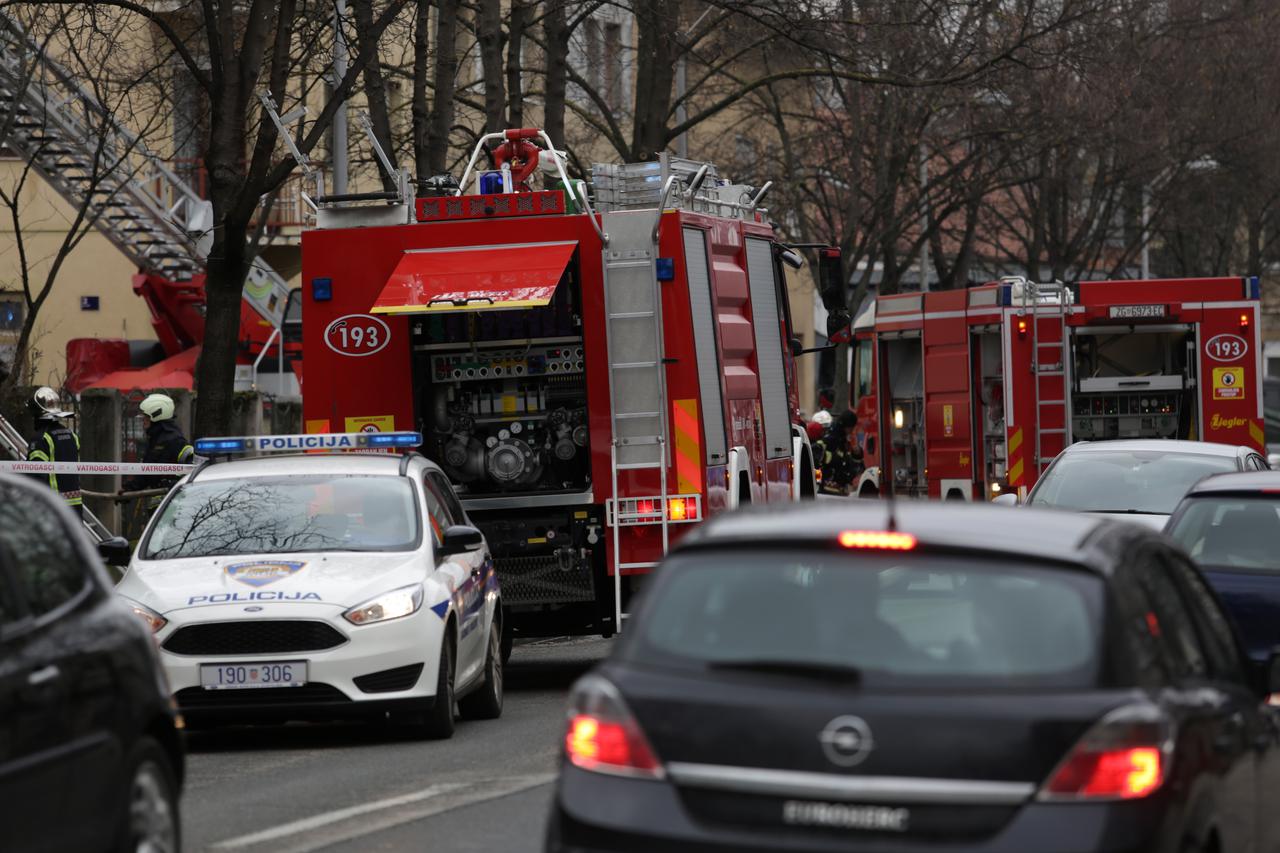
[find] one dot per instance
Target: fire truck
(594, 382)
(969, 393)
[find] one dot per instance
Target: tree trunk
(656, 51)
(446, 74)
(515, 65)
(216, 369)
(490, 39)
(375, 89)
(421, 112)
(556, 34)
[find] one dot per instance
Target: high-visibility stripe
(1015, 458)
(1015, 440)
(1015, 473)
(1256, 433)
(687, 447)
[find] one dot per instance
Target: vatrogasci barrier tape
(136, 469)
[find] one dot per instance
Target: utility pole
(340, 117)
(924, 219)
(1146, 230)
(682, 141)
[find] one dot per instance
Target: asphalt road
(295, 788)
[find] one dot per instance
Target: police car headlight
(153, 620)
(390, 605)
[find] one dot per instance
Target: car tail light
(1124, 756)
(888, 540)
(602, 734)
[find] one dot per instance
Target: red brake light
(882, 539)
(1125, 757)
(644, 507)
(603, 736)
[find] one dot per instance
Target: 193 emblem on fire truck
(357, 335)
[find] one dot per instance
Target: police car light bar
(314, 441)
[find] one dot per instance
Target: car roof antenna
(891, 523)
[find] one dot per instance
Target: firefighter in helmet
(837, 458)
(166, 445)
(54, 442)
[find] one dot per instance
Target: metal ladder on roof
(145, 209)
(15, 446)
(1050, 367)
(637, 373)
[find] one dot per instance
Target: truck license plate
(226, 676)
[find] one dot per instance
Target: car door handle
(43, 676)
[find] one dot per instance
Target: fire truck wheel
(486, 702)
(868, 491)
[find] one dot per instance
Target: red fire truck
(592, 382)
(968, 393)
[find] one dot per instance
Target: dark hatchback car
(1230, 525)
(968, 679)
(90, 758)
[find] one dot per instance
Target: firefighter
(840, 464)
(54, 442)
(166, 445)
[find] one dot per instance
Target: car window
(1211, 623)
(48, 569)
(282, 515)
(1125, 480)
(446, 492)
(1170, 619)
(1139, 630)
(437, 512)
(11, 609)
(930, 620)
(1231, 531)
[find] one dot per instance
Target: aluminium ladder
(91, 159)
(637, 371)
(1048, 305)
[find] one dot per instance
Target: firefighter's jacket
(166, 445)
(54, 442)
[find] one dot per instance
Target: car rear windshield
(1231, 532)
(285, 515)
(1125, 480)
(917, 619)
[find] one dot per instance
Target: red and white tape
(144, 469)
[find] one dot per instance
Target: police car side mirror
(1006, 499)
(115, 551)
(460, 539)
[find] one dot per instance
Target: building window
(12, 312)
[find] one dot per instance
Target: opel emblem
(253, 609)
(846, 741)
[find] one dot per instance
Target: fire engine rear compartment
(501, 400)
(1133, 382)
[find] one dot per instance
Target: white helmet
(45, 403)
(822, 417)
(158, 407)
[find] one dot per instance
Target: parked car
(90, 755)
(1230, 525)
(1140, 480)
(829, 677)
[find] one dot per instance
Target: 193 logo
(357, 335)
(1226, 347)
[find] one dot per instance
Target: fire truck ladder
(1050, 367)
(637, 374)
(15, 446)
(146, 210)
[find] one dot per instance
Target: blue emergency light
(311, 441)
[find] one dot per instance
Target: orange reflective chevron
(688, 447)
(1256, 434)
(1015, 458)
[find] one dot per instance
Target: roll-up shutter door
(766, 323)
(704, 341)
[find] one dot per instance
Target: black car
(958, 678)
(1230, 525)
(90, 756)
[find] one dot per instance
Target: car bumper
(596, 813)
(338, 678)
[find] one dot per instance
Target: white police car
(319, 586)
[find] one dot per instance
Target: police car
(319, 585)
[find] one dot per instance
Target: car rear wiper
(805, 669)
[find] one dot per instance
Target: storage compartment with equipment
(1133, 382)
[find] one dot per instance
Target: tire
(486, 702)
(437, 723)
(508, 639)
(150, 820)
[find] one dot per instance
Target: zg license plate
(227, 676)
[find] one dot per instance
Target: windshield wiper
(805, 669)
(1129, 511)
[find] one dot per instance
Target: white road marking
(451, 795)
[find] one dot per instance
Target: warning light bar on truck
(680, 508)
(314, 441)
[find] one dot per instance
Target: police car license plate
(237, 676)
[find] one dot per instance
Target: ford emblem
(254, 609)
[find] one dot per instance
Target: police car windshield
(1125, 480)
(873, 618)
(286, 515)
(1231, 532)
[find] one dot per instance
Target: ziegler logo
(1219, 422)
